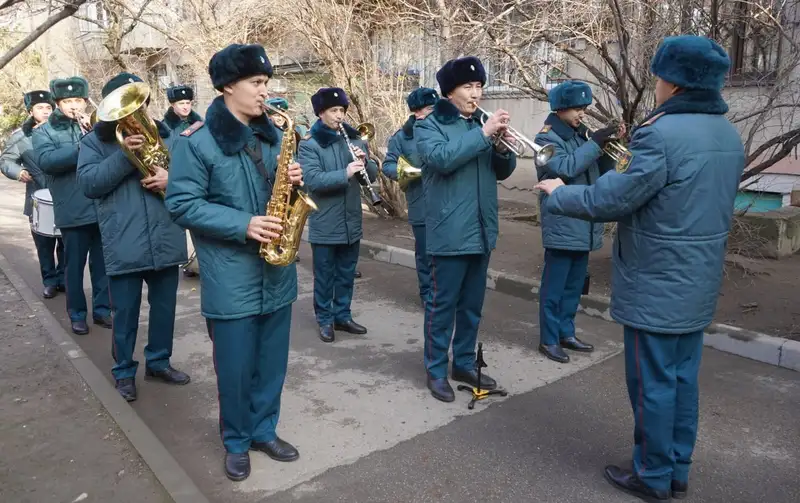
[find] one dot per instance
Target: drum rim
(40, 199)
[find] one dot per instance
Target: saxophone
(290, 205)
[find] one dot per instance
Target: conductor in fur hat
(18, 162)
(56, 145)
(674, 206)
(220, 182)
(462, 164)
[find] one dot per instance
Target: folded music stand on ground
(478, 393)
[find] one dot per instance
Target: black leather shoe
(554, 352)
(680, 490)
(104, 321)
(127, 388)
(441, 389)
(471, 377)
(278, 449)
(169, 375)
(326, 333)
(61, 288)
(358, 274)
(627, 481)
(80, 327)
(350, 327)
(575, 344)
(49, 292)
(237, 466)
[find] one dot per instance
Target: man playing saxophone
(221, 178)
(462, 166)
(402, 143)
(335, 230)
(140, 244)
(56, 145)
(567, 241)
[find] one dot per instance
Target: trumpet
(86, 121)
(366, 131)
(613, 148)
(542, 154)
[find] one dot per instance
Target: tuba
(406, 173)
(127, 106)
(615, 149)
(291, 206)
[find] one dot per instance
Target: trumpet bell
(406, 173)
(366, 130)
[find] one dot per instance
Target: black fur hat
(180, 93)
(329, 97)
(421, 97)
(118, 81)
(71, 87)
(457, 72)
(237, 62)
(35, 97)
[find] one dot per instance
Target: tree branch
(788, 140)
(64, 13)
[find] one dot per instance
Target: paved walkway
(58, 441)
(368, 430)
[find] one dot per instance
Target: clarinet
(363, 176)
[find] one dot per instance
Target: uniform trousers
(126, 303)
(79, 243)
(334, 276)
(560, 294)
(250, 358)
(661, 372)
(423, 266)
(458, 287)
(50, 251)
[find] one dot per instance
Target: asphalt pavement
(368, 430)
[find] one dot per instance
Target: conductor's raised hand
(263, 229)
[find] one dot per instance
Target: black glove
(601, 136)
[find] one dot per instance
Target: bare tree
(65, 10)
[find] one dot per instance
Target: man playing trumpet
(57, 144)
(402, 143)
(141, 244)
(576, 160)
(462, 164)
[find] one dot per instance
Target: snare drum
(192, 267)
(43, 219)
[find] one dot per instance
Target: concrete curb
(169, 473)
(746, 343)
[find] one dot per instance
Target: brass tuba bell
(406, 173)
(366, 130)
(127, 106)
